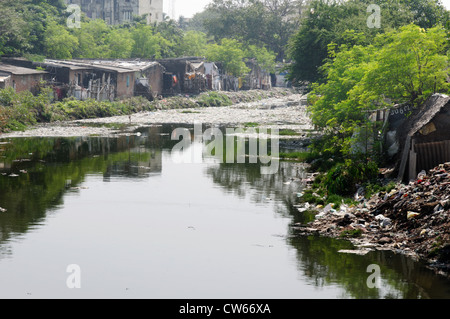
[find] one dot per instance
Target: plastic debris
(410, 215)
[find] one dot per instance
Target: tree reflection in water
(48, 168)
(318, 258)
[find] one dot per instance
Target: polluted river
(117, 215)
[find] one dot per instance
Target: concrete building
(121, 11)
(20, 78)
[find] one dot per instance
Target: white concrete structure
(121, 11)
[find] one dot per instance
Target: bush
(7, 96)
(4, 115)
(343, 177)
(214, 99)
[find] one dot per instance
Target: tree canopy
(405, 65)
(266, 23)
(346, 22)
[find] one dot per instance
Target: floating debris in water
(2, 210)
(13, 175)
(360, 252)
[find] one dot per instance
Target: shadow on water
(36, 173)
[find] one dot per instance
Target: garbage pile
(413, 219)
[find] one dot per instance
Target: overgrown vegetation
(346, 22)
(352, 70)
(214, 99)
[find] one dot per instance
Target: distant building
(121, 11)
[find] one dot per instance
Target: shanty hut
(213, 76)
(106, 79)
(184, 75)
(420, 137)
(20, 78)
(257, 78)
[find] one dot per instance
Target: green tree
(231, 53)
(146, 43)
(173, 36)
(410, 65)
(427, 13)
(405, 65)
(267, 23)
(265, 58)
(120, 43)
(14, 31)
(197, 22)
(194, 44)
(58, 42)
(23, 24)
(327, 20)
(92, 39)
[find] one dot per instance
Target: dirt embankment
(412, 219)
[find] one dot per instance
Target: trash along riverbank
(278, 107)
(411, 219)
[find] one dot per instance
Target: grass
(189, 111)
(288, 132)
(318, 196)
(213, 98)
(295, 156)
(371, 189)
(351, 233)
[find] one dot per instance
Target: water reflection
(37, 173)
(318, 257)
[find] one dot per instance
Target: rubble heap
(412, 219)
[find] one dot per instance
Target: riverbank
(411, 219)
(368, 224)
(281, 108)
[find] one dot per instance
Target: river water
(118, 217)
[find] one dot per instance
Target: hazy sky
(188, 8)
(446, 3)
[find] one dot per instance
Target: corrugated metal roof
(120, 66)
(65, 64)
